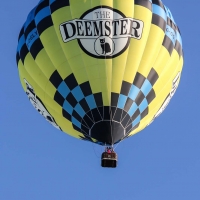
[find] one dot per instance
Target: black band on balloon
(86, 89)
(128, 104)
(159, 3)
(125, 88)
(56, 79)
(66, 115)
(177, 28)
(96, 115)
(135, 115)
(88, 120)
(167, 43)
(71, 81)
(151, 96)
(77, 128)
(84, 105)
(29, 28)
(23, 52)
(178, 48)
(44, 24)
(139, 80)
(21, 33)
(85, 129)
(77, 116)
(36, 48)
(171, 24)
(59, 98)
(43, 4)
(17, 58)
(140, 97)
(114, 99)
(71, 99)
(145, 3)
(85, 138)
(58, 4)
(159, 21)
(98, 99)
(144, 113)
(153, 76)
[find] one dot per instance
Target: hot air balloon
(100, 70)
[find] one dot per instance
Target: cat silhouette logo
(102, 32)
(104, 46)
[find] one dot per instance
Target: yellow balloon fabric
(100, 70)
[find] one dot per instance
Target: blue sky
(39, 162)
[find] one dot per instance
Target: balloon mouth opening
(108, 132)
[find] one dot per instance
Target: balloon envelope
(100, 71)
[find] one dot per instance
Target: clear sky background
(37, 162)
